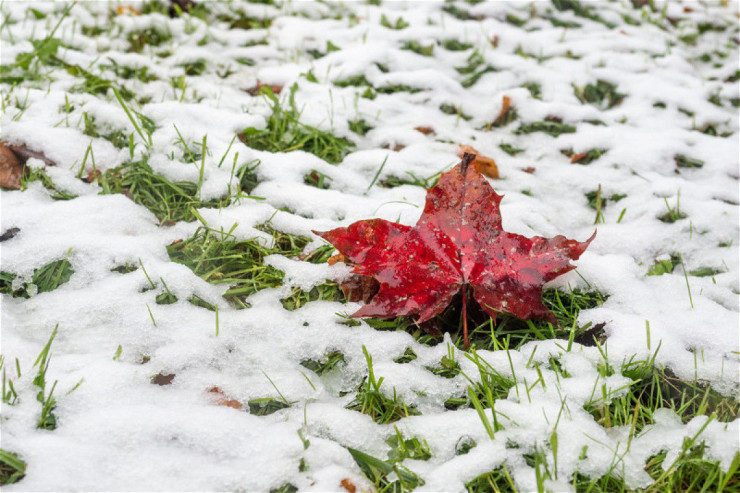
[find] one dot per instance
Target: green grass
(354, 81)
(451, 109)
(408, 356)
(327, 291)
(498, 480)
(317, 179)
(168, 201)
(44, 279)
(594, 196)
(455, 45)
(398, 25)
(651, 388)
(587, 12)
(150, 36)
(448, 367)
(475, 69)
(407, 448)
(360, 126)
(674, 213)
(418, 48)
(219, 258)
(534, 88)
(31, 175)
(266, 406)
(664, 266)
(603, 94)
(377, 471)
(585, 158)
(510, 149)
(285, 133)
(334, 359)
(371, 401)
(687, 162)
(411, 179)
(551, 128)
(12, 468)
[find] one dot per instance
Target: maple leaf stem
(465, 316)
(466, 160)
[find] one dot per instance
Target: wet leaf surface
(458, 242)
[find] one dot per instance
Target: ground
(170, 322)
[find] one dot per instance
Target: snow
(116, 431)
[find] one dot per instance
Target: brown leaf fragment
(123, 9)
(359, 288)
(92, 175)
(486, 165)
(163, 378)
(529, 169)
(426, 130)
(335, 258)
(221, 399)
(255, 90)
(506, 107)
(11, 169)
(348, 485)
(494, 41)
(23, 153)
(577, 157)
(553, 119)
(9, 233)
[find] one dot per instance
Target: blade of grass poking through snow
(148, 141)
(375, 178)
(203, 149)
(686, 277)
(227, 153)
(481, 413)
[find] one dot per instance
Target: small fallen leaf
(222, 400)
(395, 147)
(23, 153)
(348, 485)
(577, 157)
(494, 41)
(503, 115)
(123, 9)
(9, 233)
(163, 378)
(11, 169)
(92, 175)
(256, 89)
(485, 165)
(529, 169)
(425, 130)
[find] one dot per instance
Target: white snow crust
(117, 432)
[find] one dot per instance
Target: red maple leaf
(457, 242)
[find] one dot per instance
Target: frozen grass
(218, 257)
(371, 401)
(286, 133)
(44, 279)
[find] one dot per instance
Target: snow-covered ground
(118, 431)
